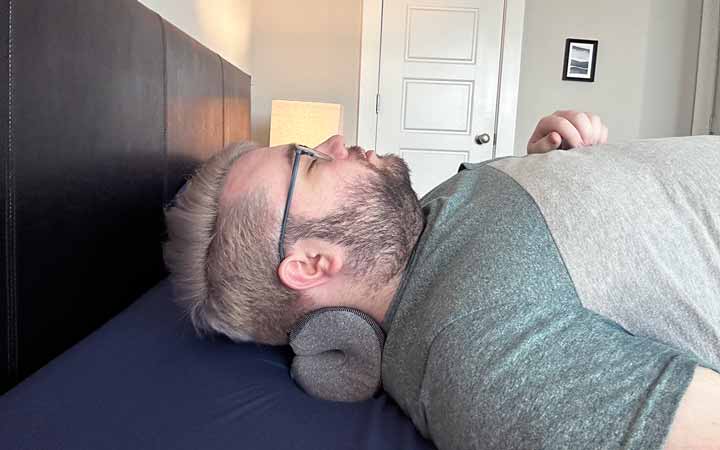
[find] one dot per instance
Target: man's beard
(379, 222)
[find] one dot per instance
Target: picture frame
(580, 60)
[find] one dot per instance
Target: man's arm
(697, 420)
(538, 375)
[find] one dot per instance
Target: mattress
(145, 381)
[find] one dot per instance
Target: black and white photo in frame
(580, 60)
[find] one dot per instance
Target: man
(498, 356)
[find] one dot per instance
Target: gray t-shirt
(561, 300)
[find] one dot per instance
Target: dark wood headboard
(105, 109)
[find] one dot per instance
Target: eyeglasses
(299, 151)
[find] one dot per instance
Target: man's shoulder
(483, 242)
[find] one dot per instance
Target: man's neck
(377, 303)
(352, 293)
(359, 294)
(381, 299)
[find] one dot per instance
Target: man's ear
(307, 266)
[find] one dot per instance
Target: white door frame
(707, 71)
(508, 85)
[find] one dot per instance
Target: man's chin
(396, 167)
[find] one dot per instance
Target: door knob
(481, 139)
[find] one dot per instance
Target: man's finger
(568, 133)
(582, 124)
(597, 128)
(571, 137)
(550, 142)
(542, 129)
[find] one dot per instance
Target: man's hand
(566, 130)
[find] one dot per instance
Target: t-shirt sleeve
(537, 376)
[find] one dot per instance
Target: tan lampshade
(306, 123)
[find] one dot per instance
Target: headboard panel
(194, 104)
(109, 109)
(237, 104)
(5, 286)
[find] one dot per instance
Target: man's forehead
(261, 165)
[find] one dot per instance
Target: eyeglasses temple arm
(291, 188)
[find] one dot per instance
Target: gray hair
(223, 265)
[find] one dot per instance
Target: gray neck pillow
(338, 354)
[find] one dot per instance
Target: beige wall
(716, 112)
(646, 64)
(311, 51)
(223, 26)
(307, 51)
(673, 41)
(715, 125)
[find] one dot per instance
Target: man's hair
(223, 266)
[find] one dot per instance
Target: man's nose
(334, 146)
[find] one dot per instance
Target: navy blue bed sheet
(145, 381)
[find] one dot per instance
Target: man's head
(353, 223)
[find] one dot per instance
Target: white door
(438, 85)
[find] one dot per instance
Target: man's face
(361, 200)
(318, 182)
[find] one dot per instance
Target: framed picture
(580, 58)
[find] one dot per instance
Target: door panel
(420, 114)
(441, 35)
